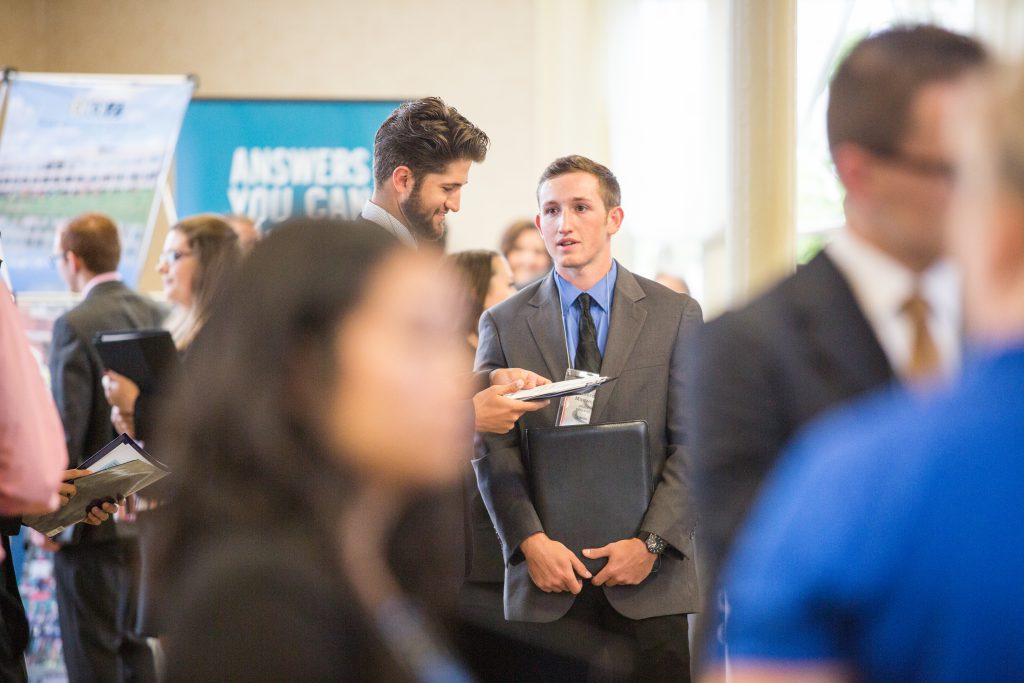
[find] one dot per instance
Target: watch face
(655, 544)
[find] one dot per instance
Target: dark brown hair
(426, 135)
(611, 195)
(473, 269)
(94, 239)
(874, 87)
(512, 233)
(218, 254)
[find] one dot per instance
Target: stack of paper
(570, 387)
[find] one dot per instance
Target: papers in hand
(570, 387)
(120, 468)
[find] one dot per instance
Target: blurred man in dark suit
(878, 304)
(886, 545)
(93, 564)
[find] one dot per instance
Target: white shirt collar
(881, 285)
(377, 214)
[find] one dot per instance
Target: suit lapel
(624, 328)
(844, 340)
(545, 323)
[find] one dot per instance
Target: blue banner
(273, 159)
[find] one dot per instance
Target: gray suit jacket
(76, 371)
(646, 351)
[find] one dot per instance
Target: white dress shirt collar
(881, 285)
(377, 214)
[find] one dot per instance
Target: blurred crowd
(833, 466)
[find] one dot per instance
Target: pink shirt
(33, 455)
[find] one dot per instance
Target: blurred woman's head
(394, 412)
(329, 363)
(485, 279)
(199, 253)
(986, 228)
(524, 248)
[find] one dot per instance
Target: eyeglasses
(172, 256)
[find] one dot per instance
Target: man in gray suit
(593, 314)
(92, 568)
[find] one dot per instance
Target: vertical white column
(761, 233)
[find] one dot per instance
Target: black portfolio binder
(146, 357)
(590, 484)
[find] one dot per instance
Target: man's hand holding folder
(118, 470)
(556, 569)
(97, 514)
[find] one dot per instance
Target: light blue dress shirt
(600, 310)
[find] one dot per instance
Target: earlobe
(536, 221)
(615, 217)
(851, 167)
(401, 179)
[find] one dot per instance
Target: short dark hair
(426, 135)
(94, 239)
(611, 195)
(873, 89)
(473, 270)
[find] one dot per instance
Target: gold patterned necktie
(924, 353)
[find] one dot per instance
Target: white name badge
(576, 410)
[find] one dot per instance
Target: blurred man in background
(878, 305)
(93, 567)
(888, 544)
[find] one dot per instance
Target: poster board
(76, 143)
(273, 159)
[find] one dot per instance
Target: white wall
(533, 97)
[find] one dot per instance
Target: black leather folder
(146, 357)
(591, 484)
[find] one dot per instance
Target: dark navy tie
(588, 355)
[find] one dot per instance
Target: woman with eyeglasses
(199, 255)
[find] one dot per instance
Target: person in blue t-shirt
(888, 544)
